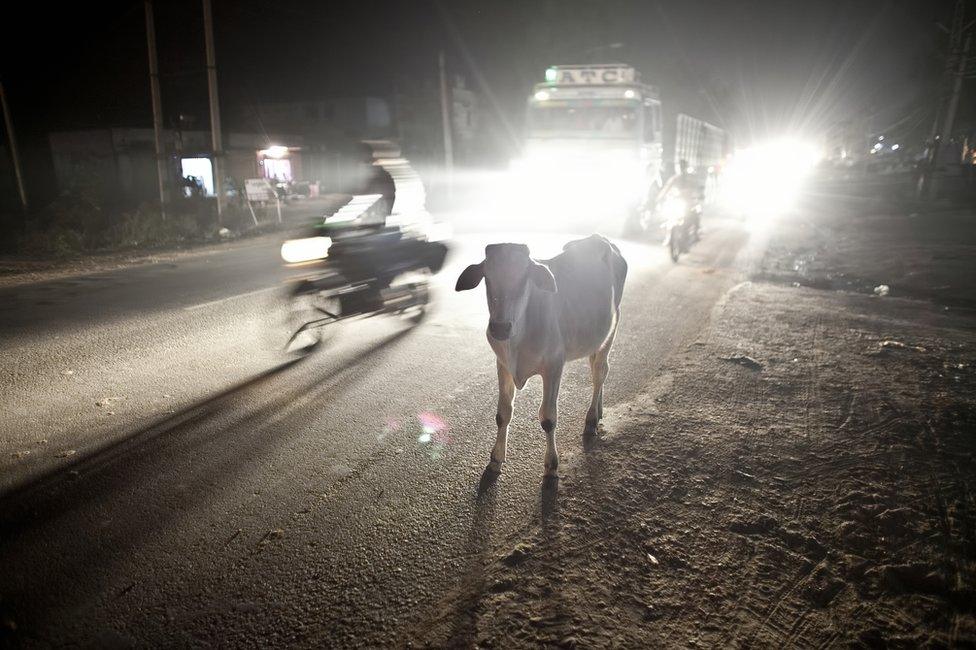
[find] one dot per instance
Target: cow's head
(509, 274)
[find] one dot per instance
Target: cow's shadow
(549, 498)
(477, 548)
(593, 441)
(548, 491)
(487, 482)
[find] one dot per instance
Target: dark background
(754, 67)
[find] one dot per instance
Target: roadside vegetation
(79, 223)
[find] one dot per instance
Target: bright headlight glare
(766, 180)
(438, 232)
(296, 251)
(673, 208)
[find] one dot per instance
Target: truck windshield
(609, 121)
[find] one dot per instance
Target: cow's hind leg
(547, 414)
(506, 400)
(599, 369)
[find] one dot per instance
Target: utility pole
(8, 121)
(960, 72)
(446, 124)
(157, 108)
(945, 115)
(218, 148)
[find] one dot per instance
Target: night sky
(753, 66)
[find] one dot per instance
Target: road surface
(169, 476)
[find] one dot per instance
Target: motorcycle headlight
(307, 249)
(673, 208)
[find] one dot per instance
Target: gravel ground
(923, 255)
(801, 476)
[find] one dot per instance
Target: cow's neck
(520, 353)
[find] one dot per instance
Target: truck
(705, 147)
(594, 146)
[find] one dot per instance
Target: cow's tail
(618, 267)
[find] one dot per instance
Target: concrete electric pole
(216, 139)
(959, 74)
(9, 123)
(157, 108)
(945, 114)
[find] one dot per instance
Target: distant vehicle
(593, 145)
(681, 217)
(594, 149)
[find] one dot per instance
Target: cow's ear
(470, 277)
(541, 277)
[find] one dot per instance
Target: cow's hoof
(488, 479)
(552, 472)
(589, 430)
(494, 467)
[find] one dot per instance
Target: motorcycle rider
(688, 187)
(375, 246)
(373, 178)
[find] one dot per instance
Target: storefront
(278, 163)
(197, 175)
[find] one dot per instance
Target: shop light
(275, 151)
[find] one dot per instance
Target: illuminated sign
(257, 189)
(584, 76)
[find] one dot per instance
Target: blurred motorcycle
(680, 219)
(374, 255)
(361, 262)
(358, 271)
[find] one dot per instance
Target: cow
(543, 313)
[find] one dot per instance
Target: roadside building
(331, 130)
(331, 119)
(315, 143)
(119, 164)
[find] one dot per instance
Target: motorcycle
(358, 270)
(680, 221)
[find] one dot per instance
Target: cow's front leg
(506, 400)
(547, 414)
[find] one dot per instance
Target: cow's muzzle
(499, 330)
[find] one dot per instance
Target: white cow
(544, 313)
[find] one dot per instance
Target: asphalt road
(170, 477)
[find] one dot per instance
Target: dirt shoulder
(924, 255)
(802, 475)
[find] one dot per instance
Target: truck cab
(597, 130)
